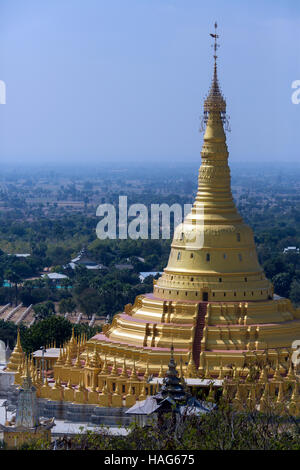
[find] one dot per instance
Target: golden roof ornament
(25, 367)
(236, 374)
(239, 395)
(68, 361)
(251, 400)
(95, 359)
(147, 371)
(114, 369)
(79, 342)
(263, 378)
(59, 361)
(143, 395)
(81, 387)
(191, 370)
(18, 346)
(207, 374)
(295, 394)
(291, 373)
(118, 390)
(104, 370)
(277, 376)
(221, 372)
(161, 371)
(280, 396)
(211, 394)
(27, 382)
(266, 392)
(105, 390)
(31, 366)
(77, 362)
(133, 372)
(69, 385)
(124, 369)
(87, 362)
(130, 390)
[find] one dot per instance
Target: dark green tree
(44, 310)
(282, 283)
(8, 332)
(15, 279)
(89, 301)
(295, 292)
(66, 306)
(53, 328)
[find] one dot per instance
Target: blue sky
(124, 80)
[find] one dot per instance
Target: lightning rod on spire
(215, 45)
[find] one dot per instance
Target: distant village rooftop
(143, 275)
(290, 248)
(123, 266)
(19, 255)
(82, 259)
(54, 276)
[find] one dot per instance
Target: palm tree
(15, 279)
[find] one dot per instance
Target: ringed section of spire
(215, 102)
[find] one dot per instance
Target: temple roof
(152, 405)
(172, 385)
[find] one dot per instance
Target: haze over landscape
(123, 82)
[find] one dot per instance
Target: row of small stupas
(212, 302)
(93, 381)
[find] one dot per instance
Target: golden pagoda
(213, 304)
(213, 301)
(17, 357)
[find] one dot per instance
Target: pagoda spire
(17, 355)
(172, 385)
(214, 202)
(18, 345)
(215, 103)
(27, 411)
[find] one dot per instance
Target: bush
(44, 310)
(52, 329)
(222, 429)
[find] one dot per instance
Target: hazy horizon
(117, 83)
(188, 168)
